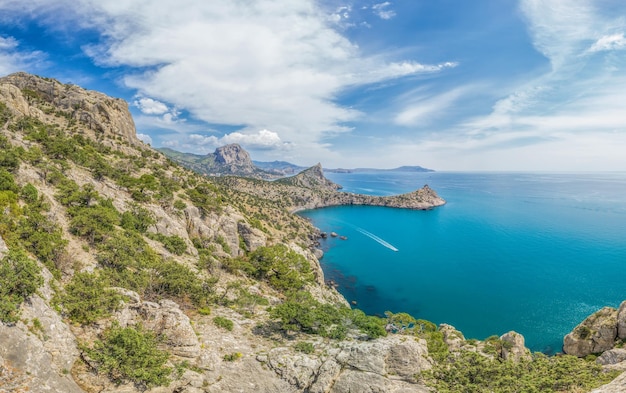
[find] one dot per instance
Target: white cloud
(382, 10)
(261, 140)
(609, 42)
(422, 109)
(145, 138)
(267, 64)
(150, 106)
(13, 59)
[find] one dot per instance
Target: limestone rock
(513, 347)
(597, 333)
(612, 356)
(387, 364)
(213, 226)
(453, 338)
(56, 338)
(26, 362)
(14, 99)
(253, 237)
(163, 318)
(234, 155)
(621, 321)
(99, 112)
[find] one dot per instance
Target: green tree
(131, 354)
(19, 278)
(87, 298)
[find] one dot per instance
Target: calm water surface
(534, 253)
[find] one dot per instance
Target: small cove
(534, 253)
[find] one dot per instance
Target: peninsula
(310, 189)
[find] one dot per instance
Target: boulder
(513, 347)
(596, 334)
(612, 356)
(163, 318)
(453, 338)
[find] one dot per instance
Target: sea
(531, 252)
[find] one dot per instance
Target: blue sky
(450, 84)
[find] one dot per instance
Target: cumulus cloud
(382, 10)
(150, 106)
(261, 140)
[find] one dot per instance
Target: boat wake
(377, 239)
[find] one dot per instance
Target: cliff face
(42, 98)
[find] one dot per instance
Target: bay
(534, 253)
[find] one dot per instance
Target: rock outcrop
(165, 319)
(384, 365)
(596, 334)
(513, 347)
(98, 112)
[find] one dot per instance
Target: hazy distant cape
(234, 160)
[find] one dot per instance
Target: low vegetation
(130, 354)
(471, 372)
(19, 278)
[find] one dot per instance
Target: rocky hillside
(230, 160)
(121, 271)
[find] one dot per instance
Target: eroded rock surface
(596, 334)
(387, 364)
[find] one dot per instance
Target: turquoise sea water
(534, 253)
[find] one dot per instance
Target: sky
(489, 85)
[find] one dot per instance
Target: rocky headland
(310, 189)
(124, 272)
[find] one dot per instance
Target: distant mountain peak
(233, 154)
(312, 177)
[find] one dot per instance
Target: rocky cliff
(229, 160)
(121, 272)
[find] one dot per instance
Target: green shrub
(300, 312)
(87, 299)
(232, 356)
(224, 323)
(19, 278)
(473, 372)
(283, 268)
(174, 244)
(305, 347)
(179, 205)
(130, 354)
(204, 310)
(137, 219)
